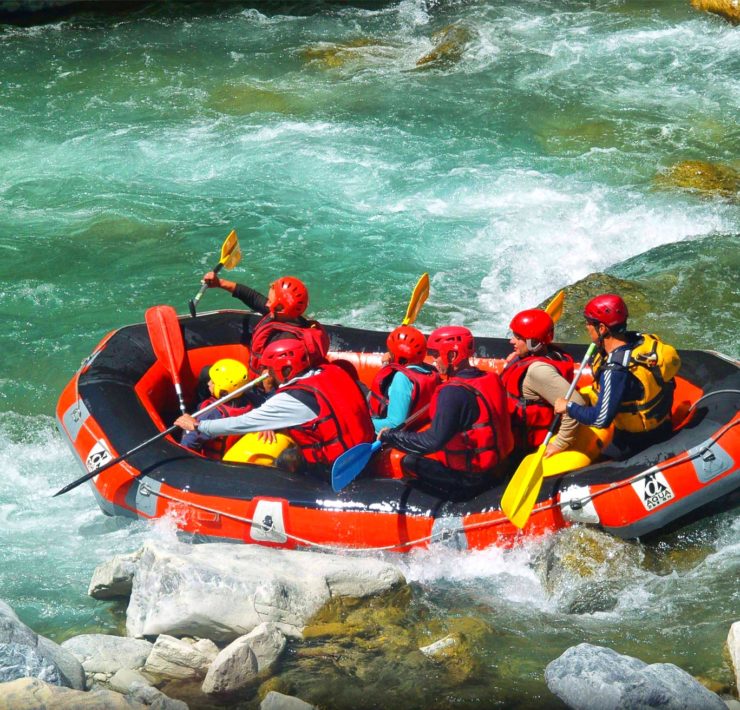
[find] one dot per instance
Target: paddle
(418, 296)
(166, 338)
(353, 461)
(161, 435)
(231, 255)
(554, 309)
(521, 493)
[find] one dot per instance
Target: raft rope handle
(710, 394)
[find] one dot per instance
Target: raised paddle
(353, 461)
(169, 348)
(161, 435)
(554, 309)
(231, 255)
(521, 493)
(418, 296)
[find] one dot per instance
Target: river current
(520, 162)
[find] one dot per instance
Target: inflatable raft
(122, 395)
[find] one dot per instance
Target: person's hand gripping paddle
(231, 255)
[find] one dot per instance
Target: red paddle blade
(166, 337)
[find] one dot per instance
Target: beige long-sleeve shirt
(543, 381)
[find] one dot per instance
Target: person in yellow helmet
(224, 376)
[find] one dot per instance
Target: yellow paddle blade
(231, 252)
(555, 308)
(418, 298)
(524, 487)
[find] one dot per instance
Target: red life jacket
(343, 419)
(216, 448)
(423, 386)
(531, 418)
(313, 335)
(489, 441)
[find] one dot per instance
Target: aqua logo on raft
(99, 455)
(653, 489)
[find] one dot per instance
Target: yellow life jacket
(654, 364)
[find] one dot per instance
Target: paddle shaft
(194, 302)
(160, 435)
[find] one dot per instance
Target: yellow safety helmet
(227, 375)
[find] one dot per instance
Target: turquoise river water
(131, 143)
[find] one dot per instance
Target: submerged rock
(449, 45)
(729, 9)
(221, 591)
(585, 569)
(702, 177)
(243, 99)
(23, 653)
(335, 56)
(588, 677)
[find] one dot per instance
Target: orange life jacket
(423, 386)
(313, 335)
(531, 418)
(489, 441)
(343, 419)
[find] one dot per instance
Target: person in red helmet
(464, 450)
(405, 384)
(536, 374)
(283, 310)
(321, 408)
(633, 378)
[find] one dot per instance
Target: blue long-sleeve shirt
(399, 401)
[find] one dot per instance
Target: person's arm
(399, 403)
(612, 382)
(195, 439)
(281, 411)
(545, 382)
(250, 298)
(456, 412)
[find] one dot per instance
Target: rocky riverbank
(209, 624)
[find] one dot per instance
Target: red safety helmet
(534, 326)
(407, 345)
(290, 298)
(286, 358)
(609, 309)
(454, 343)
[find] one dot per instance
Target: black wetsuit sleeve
(457, 410)
(250, 298)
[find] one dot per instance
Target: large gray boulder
(733, 648)
(590, 677)
(222, 591)
(103, 653)
(25, 654)
(35, 694)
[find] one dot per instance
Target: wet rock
(733, 647)
(221, 591)
(103, 653)
(183, 659)
(277, 701)
(153, 698)
(335, 56)
(729, 9)
(114, 577)
(34, 694)
(124, 679)
(585, 569)
(702, 177)
(24, 653)
(239, 664)
(588, 677)
(449, 45)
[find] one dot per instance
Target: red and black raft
(122, 396)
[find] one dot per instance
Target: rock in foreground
(590, 677)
